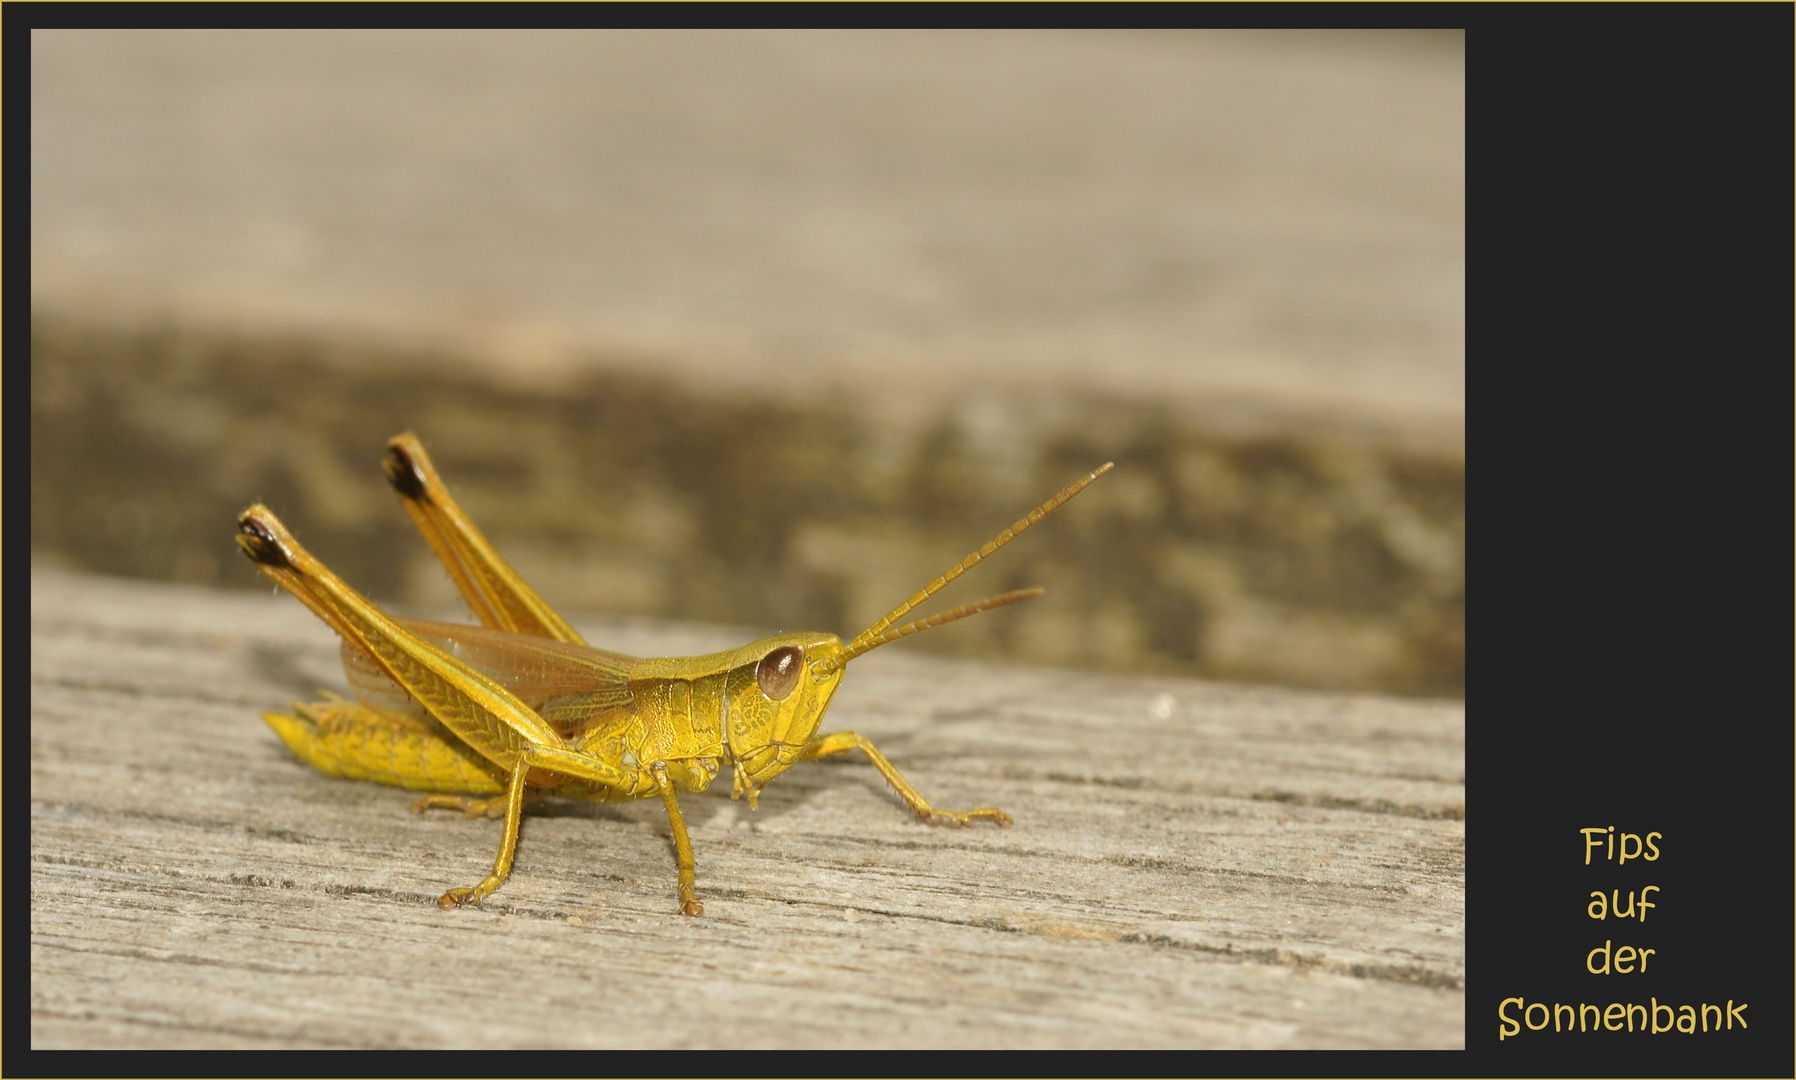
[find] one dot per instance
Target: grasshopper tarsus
(955, 819)
(523, 704)
(458, 897)
(470, 896)
(469, 806)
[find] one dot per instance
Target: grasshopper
(486, 717)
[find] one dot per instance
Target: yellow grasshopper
(521, 704)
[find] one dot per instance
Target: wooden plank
(1193, 864)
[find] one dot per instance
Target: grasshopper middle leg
(841, 742)
(508, 846)
(689, 901)
(566, 763)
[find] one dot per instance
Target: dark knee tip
(259, 543)
(403, 473)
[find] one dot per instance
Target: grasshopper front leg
(841, 742)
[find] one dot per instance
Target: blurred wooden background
(769, 328)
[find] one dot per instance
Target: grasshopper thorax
(774, 704)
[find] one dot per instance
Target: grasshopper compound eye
(778, 671)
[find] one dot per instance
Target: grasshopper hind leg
(494, 592)
(352, 740)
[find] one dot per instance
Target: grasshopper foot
(954, 819)
(694, 907)
(466, 897)
(493, 808)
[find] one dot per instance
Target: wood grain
(1255, 868)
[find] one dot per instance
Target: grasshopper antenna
(864, 644)
(879, 633)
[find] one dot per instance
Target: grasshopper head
(778, 688)
(777, 699)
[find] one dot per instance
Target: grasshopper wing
(568, 685)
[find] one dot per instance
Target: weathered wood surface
(1255, 868)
